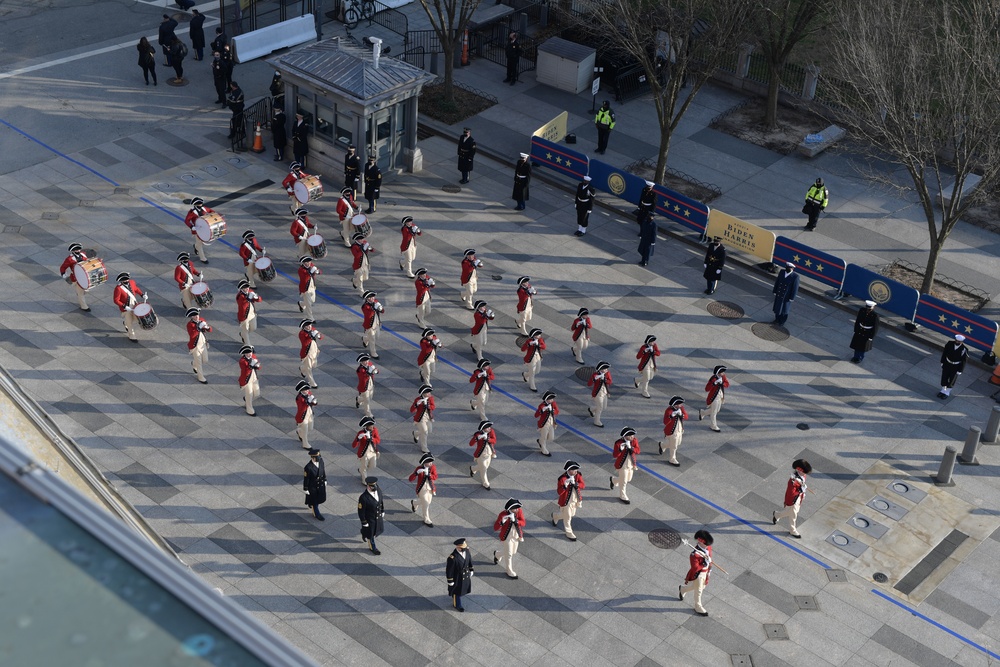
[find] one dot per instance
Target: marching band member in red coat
(185, 275)
(246, 311)
(485, 442)
(422, 409)
(424, 284)
(427, 358)
(249, 365)
(482, 383)
(510, 524)
(568, 489)
(673, 428)
(346, 210)
(309, 337)
(250, 252)
(126, 297)
(794, 492)
(198, 210)
(701, 568)
(716, 390)
(197, 327)
(295, 173)
(546, 414)
(75, 256)
(646, 355)
(371, 311)
(470, 276)
(300, 230)
(600, 387)
(581, 333)
(307, 285)
(525, 294)
(360, 248)
(366, 441)
(625, 451)
(480, 327)
(425, 475)
(304, 402)
(532, 349)
(366, 384)
(408, 246)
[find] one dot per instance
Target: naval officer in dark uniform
(371, 510)
(314, 483)
(459, 572)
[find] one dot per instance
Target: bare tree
(780, 26)
(920, 81)
(449, 19)
(678, 43)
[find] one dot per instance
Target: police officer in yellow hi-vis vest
(605, 122)
(816, 200)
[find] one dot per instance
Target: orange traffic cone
(258, 142)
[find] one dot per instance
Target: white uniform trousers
(713, 410)
(524, 317)
(698, 586)
(367, 463)
(364, 400)
(421, 430)
(251, 390)
(479, 342)
(625, 474)
(360, 276)
(482, 467)
(646, 375)
(566, 514)
(579, 345)
(546, 434)
(129, 320)
(369, 337)
(792, 512)
(248, 325)
(469, 290)
(509, 549)
(199, 247)
(672, 442)
(406, 258)
(199, 356)
(422, 505)
(302, 429)
(427, 368)
(301, 247)
(531, 369)
(308, 363)
(346, 231)
(479, 401)
(600, 403)
(423, 310)
(186, 298)
(307, 299)
(81, 296)
(251, 273)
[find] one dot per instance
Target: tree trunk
(931, 268)
(666, 134)
(773, 87)
(449, 72)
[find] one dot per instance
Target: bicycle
(358, 10)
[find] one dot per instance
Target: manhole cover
(802, 426)
(163, 186)
(840, 540)
(451, 189)
(87, 203)
(123, 191)
(238, 162)
(12, 229)
(806, 602)
(50, 215)
(769, 331)
(775, 631)
(665, 538)
(880, 578)
(861, 522)
(741, 660)
(584, 373)
(880, 504)
(836, 576)
(899, 487)
(496, 276)
(725, 310)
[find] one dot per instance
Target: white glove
(718, 271)
(128, 309)
(307, 492)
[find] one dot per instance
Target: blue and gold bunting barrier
(564, 160)
(933, 313)
(810, 262)
(890, 294)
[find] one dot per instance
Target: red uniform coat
(581, 327)
(426, 347)
(716, 385)
(300, 228)
(184, 272)
(289, 181)
(359, 252)
(565, 487)
(345, 207)
(250, 251)
(122, 297)
(366, 377)
(796, 489)
(647, 354)
(596, 381)
(423, 289)
(670, 420)
(68, 265)
(701, 561)
(522, 298)
(545, 412)
(468, 268)
(192, 216)
(505, 526)
(621, 452)
(244, 304)
(480, 320)
(363, 440)
(481, 377)
(531, 347)
(307, 277)
(246, 367)
(408, 236)
(302, 404)
(422, 475)
(306, 338)
(371, 316)
(419, 408)
(479, 440)
(195, 329)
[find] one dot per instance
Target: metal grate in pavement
(664, 538)
(769, 331)
(726, 310)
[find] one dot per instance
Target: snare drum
(210, 227)
(90, 273)
(317, 246)
(307, 189)
(202, 295)
(265, 267)
(361, 224)
(145, 316)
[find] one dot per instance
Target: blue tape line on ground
(60, 154)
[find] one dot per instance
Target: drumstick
(714, 564)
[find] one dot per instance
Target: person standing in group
(715, 261)
(277, 90)
(647, 237)
(953, 358)
(219, 78)
(166, 37)
(228, 62)
(221, 41)
(352, 170)
(532, 349)
(546, 414)
(600, 388)
(522, 181)
(482, 381)
(68, 273)
(304, 420)
(794, 492)
(366, 441)
(184, 276)
(307, 285)
(481, 318)
(485, 442)
(513, 52)
(309, 338)
(584, 202)
(279, 133)
(198, 210)
(568, 488)
(185, 4)
(604, 121)
(178, 51)
(249, 365)
(235, 102)
(301, 228)
(525, 297)
(147, 59)
(625, 452)
(360, 249)
(716, 396)
(366, 373)
(817, 198)
(673, 428)
(371, 511)
(427, 357)
(425, 475)
(422, 410)
(423, 284)
(346, 209)
(126, 297)
(701, 566)
(300, 140)
(246, 311)
(197, 33)
(865, 330)
(466, 154)
(197, 327)
(373, 183)
(314, 483)
(408, 246)
(371, 312)
(458, 571)
(510, 524)
(786, 288)
(581, 333)
(646, 355)
(470, 276)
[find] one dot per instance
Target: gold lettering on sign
(741, 235)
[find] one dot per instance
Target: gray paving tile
(362, 629)
(745, 460)
(822, 466)
(163, 415)
(174, 141)
(717, 634)
(760, 505)
(235, 542)
(790, 400)
(734, 147)
(59, 196)
(148, 483)
(957, 608)
(764, 590)
(22, 348)
(100, 157)
(148, 154)
(844, 394)
(947, 427)
(910, 648)
(698, 512)
(83, 413)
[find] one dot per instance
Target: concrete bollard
(968, 457)
(943, 477)
(992, 426)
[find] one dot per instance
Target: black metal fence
(423, 39)
(631, 82)
(258, 112)
(390, 19)
(415, 56)
(490, 42)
